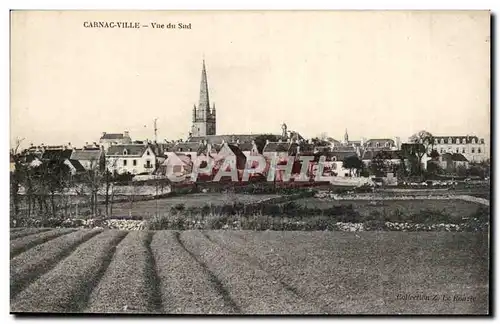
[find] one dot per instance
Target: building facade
(204, 117)
(131, 158)
(473, 148)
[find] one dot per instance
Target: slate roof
(112, 136)
(456, 157)
(57, 154)
(461, 139)
(244, 146)
(77, 165)
(187, 147)
(229, 138)
(382, 142)
(381, 154)
(132, 150)
(90, 155)
(278, 147)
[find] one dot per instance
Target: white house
(131, 158)
(89, 159)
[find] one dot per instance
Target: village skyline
(71, 83)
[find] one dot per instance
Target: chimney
(267, 141)
(126, 134)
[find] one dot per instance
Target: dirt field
(456, 208)
(148, 208)
(193, 272)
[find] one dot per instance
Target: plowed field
(244, 272)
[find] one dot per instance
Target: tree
(260, 141)
(352, 162)
(379, 164)
(425, 144)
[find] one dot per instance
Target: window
(435, 141)
(124, 162)
(442, 150)
(442, 141)
(148, 164)
(478, 150)
(457, 149)
(472, 150)
(449, 140)
(147, 152)
(473, 141)
(458, 141)
(125, 152)
(463, 140)
(134, 162)
(463, 150)
(377, 144)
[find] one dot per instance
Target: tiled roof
(461, 139)
(91, 155)
(130, 149)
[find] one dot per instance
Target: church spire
(346, 137)
(204, 104)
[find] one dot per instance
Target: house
(249, 149)
(131, 158)
(282, 150)
(90, 159)
(232, 153)
(389, 156)
(109, 139)
(472, 148)
(451, 161)
(53, 156)
(177, 164)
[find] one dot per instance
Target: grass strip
(28, 266)
(186, 286)
(67, 287)
(25, 243)
(129, 284)
(254, 290)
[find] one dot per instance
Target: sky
(376, 74)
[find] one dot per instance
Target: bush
(428, 216)
(375, 225)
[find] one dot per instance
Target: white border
(492, 5)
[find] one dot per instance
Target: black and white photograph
(250, 162)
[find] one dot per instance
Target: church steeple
(204, 104)
(346, 137)
(204, 117)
